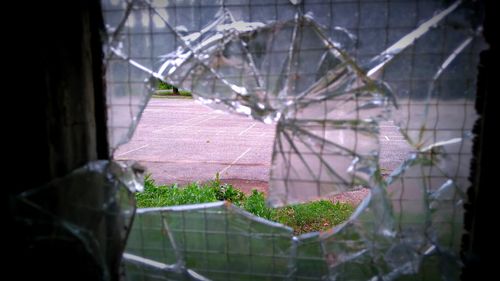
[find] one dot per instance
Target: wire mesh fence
(328, 74)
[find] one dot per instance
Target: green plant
(185, 93)
(308, 217)
(256, 204)
(164, 195)
(167, 93)
(175, 91)
(164, 85)
(226, 192)
(313, 216)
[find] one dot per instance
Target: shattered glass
(216, 240)
(89, 211)
(330, 75)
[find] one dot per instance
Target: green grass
(303, 218)
(313, 216)
(164, 86)
(168, 90)
(183, 93)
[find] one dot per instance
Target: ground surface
(180, 141)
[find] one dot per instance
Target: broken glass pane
(336, 77)
(216, 240)
(90, 211)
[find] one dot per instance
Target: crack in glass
(330, 75)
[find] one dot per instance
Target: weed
(171, 90)
(256, 204)
(308, 217)
(182, 93)
(185, 93)
(313, 216)
(164, 86)
(164, 195)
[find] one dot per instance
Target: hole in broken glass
(316, 108)
(326, 109)
(244, 60)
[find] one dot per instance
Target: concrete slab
(181, 141)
